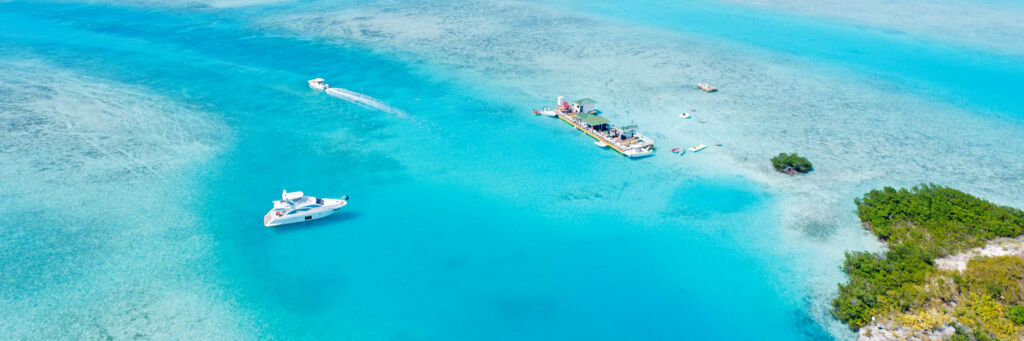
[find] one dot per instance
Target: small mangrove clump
(791, 164)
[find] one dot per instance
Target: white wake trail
(364, 100)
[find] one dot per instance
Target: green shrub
(1016, 314)
(940, 219)
(985, 316)
(919, 225)
(881, 284)
(1001, 277)
(784, 160)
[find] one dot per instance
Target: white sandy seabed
(99, 153)
(859, 133)
(990, 25)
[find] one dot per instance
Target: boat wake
(364, 100)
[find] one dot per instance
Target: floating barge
(707, 87)
(583, 115)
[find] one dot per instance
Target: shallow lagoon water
(470, 218)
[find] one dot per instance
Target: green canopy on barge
(593, 120)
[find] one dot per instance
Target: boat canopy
(291, 196)
(585, 101)
(592, 119)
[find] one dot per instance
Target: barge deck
(582, 115)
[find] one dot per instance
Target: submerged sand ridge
(111, 251)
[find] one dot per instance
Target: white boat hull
(641, 154)
(318, 84)
(330, 206)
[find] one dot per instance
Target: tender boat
(318, 84)
(296, 207)
(548, 112)
(698, 147)
(707, 87)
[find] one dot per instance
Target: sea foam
(364, 100)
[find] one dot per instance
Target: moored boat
(698, 147)
(583, 115)
(549, 112)
(707, 87)
(296, 207)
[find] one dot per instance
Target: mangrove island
(953, 268)
(791, 164)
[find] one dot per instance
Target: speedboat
(707, 87)
(698, 147)
(318, 84)
(296, 207)
(685, 115)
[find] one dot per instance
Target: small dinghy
(675, 150)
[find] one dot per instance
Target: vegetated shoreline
(901, 293)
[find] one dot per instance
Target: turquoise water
(144, 142)
(965, 76)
